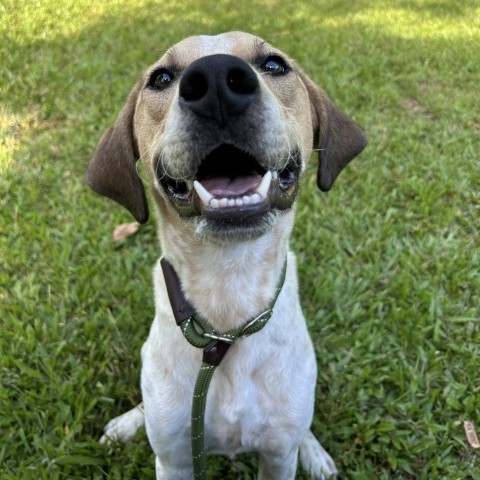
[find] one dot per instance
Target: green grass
(389, 260)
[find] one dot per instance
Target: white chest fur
(254, 394)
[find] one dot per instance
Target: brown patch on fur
(112, 169)
(337, 137)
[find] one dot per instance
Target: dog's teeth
(274, 174)
(233, 202)
(202, 192)
(264, 186)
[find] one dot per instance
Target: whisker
(141, 159)
(151, 148)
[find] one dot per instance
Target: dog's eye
(275, 65)
(161, 79)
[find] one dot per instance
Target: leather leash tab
(180, 306)
(213, 353)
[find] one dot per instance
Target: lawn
(389, 260)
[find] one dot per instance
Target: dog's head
(224, 126)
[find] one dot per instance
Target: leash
(201, 334)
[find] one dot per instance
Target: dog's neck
(231, 282)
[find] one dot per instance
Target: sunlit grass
(10, 128)
(418, 20)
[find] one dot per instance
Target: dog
(224, 126)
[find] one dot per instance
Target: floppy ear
(112, 168)
(336, 136)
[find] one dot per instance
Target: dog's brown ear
(112, 168)
(337, 137)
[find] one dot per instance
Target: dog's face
(224, 126)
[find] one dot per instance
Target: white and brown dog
(224, 126)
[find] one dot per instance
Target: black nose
(218, 87)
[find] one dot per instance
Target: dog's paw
(315, 460)
(124, 427)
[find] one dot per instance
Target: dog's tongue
(232, 187)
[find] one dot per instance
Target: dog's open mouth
(231, 184)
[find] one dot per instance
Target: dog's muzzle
(230, 183)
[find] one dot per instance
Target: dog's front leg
(124, 427)
(276, 467)
(315, 460)
(176, 472)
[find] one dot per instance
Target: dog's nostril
(195, 88)
(241, 81)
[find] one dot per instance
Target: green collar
(198, 331)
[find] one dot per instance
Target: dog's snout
(218, 87)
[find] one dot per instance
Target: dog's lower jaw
(217, 231)
(226, 231)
